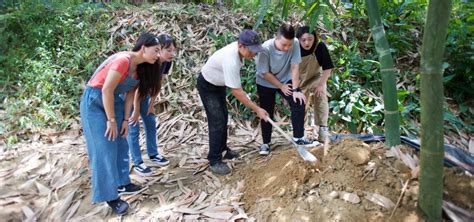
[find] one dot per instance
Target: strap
(108, 60)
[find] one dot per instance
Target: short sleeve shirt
(276, 62)
(120, 64)
(223, 67)
(165, 68)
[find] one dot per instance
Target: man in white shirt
(278, 71)
(220, 71)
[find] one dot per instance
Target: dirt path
(50, 180)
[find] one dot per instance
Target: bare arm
(129, 99)
(295, 75)
(111, 82)
(295, 79)
(136, 107)
(285, 88)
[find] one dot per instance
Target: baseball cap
(250, 39)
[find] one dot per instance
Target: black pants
(214, 100)
(267, 102)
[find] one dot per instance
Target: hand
(151, 109)
(299, 96)
(320, 90)
(111, 132)
(124, 131)
(286, 89)
(262, 114)
(134, 118)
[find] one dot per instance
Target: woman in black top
(315, 69)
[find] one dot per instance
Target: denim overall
(108, 160)
(149, 123)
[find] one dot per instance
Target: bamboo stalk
(432, 98)
(387, 70)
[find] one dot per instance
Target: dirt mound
(353, 182)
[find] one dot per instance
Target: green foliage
(50, 47)
(48, 51)
(459, 67)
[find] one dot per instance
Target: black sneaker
(142, 170)
(118, 206)
(128, 189)
(159, 160)
(305, 142)
(264, 149)
(220, 168)
(230, 154)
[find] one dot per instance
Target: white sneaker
(264, 149)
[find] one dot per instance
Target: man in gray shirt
(278, 71)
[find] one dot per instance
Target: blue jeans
(149, 122)
(108, 160)
(214, 100)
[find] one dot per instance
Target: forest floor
(50, 180)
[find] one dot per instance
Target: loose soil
(52, 183)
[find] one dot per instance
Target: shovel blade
(306, 155)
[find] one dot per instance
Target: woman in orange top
(104, 114)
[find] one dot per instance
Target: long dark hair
(166, 41)
(149, 74)
(305, 29)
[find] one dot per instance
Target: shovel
(306, 155)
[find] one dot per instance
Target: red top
(120, 64)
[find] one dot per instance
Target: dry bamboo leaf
(201, 198)
(67, 179)
(42, 189)
(162, 199)
(28, 184)
(185, 210)
(200, 207)
(182, 161)
(225, 193)
(379, 199)
(165, 177)
(224, 208)
(73, 210)
(45, 169)
(29, 214)
(183, 188)
(471, 145)
(91, 214)
(218, 215)
(64, 205)
(349, 197)
(191, 217)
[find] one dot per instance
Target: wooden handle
(280, 130)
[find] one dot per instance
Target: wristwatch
(112, 120)
(296, 90)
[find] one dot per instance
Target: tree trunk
(432, 98)
(387, 70)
